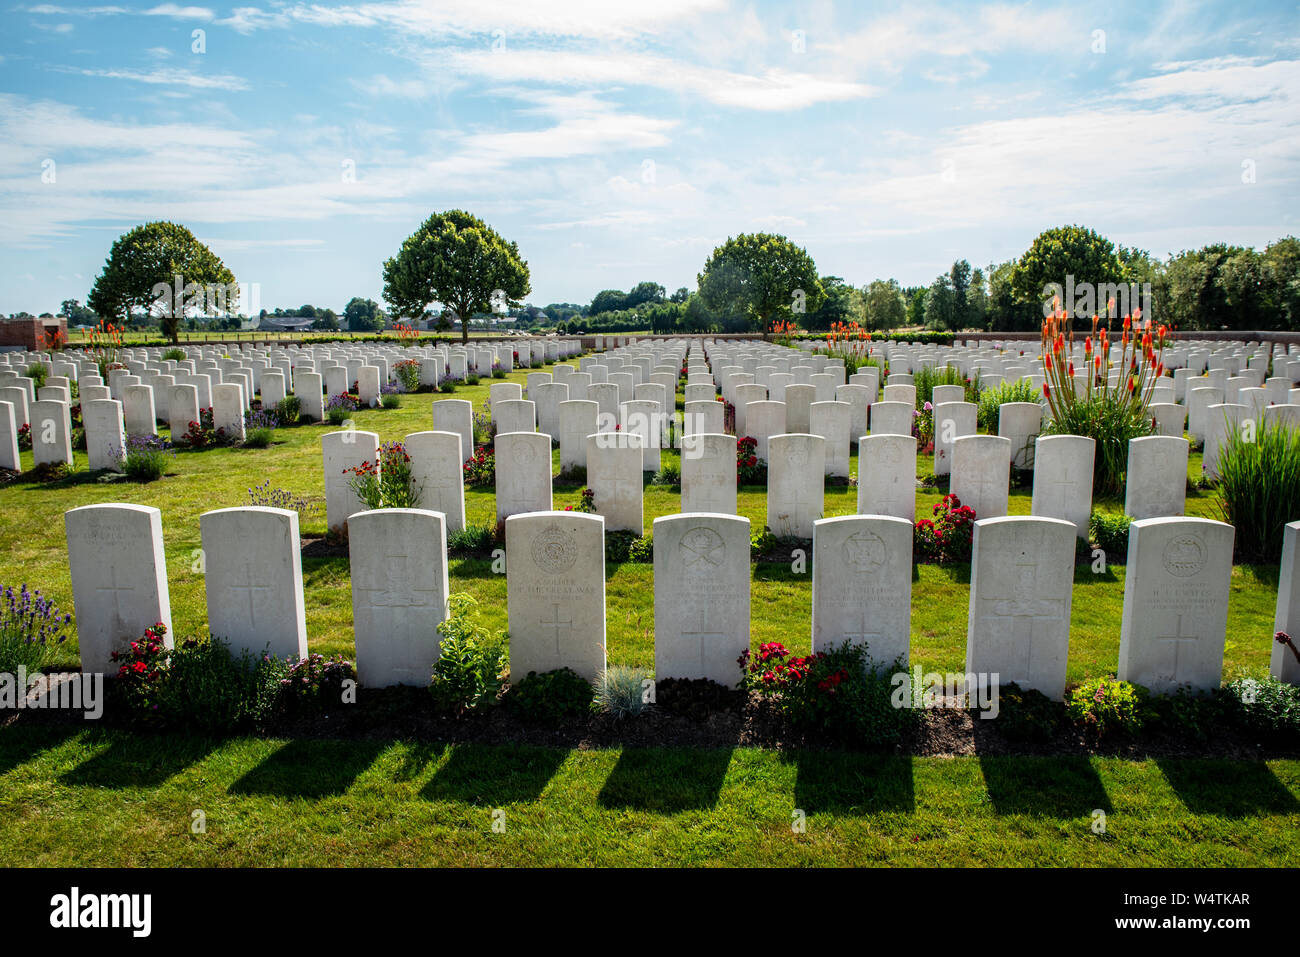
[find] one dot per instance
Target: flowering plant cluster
(408, 374)
(948, 536)
(202, 434)
(145, 457)
(923, 428)
(339, 408)
(770, 671)
(750, 469)
(407, 335)
(25, 437)
(269, 497)
(831, 691)
(142, 669)
(104, 343)
(481, 467)
(386, 482)
(316, 681)
(586, 502)
(30, 627)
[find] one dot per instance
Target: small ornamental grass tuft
(31, 628)
(622, 691)
(259, 429)
(340, 408)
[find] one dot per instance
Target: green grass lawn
(33, 550)
(102, 797)
(96, 798)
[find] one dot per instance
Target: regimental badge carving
(1185, 556)
(865, 552)
(554, 550)
(703, 550)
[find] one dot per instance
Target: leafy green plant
(145, 458)
(669, 474)
(1264, 706)
(316, 682)
(1259, 488)
(621, 691)
(340, 408)
(1187, 713)
(288, 409)
(472, 662)
(1111, 425)
(1025, 714)
(174, 355)
(641, 549)
(1109, 531)
(552, 697)
(927, 377)
(481, 467)
(37, 373)
(761, 541)
(993, 398)
(1105, 706)
(471, 539)
(407, 372)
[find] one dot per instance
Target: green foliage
(472, 662)
(456, 259)
(927, 377)
(669, 474)
(471, 539)
(1025, 714)
(1105, 706)
(145, 458)
(641, 549)
(31, 629)
(993, 398)
(391, 400)
(174, 355)
(288, 409)
(387, 482)
(1111, 426)
(363, 315)
(621, 691)
(1060, 252)
(762, 277)
(1264, 706)
(552, 697)
(1109, 531)
(1187, 714)
(37, 373)
(1259, 488)
(153, 255)
(761, 540)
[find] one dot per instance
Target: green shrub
(471, 538)
(471, 379)
(641, 549)
(258, 437)
(472, 662)
(1259, 488)
(146, 458)
(761, 541)
(1027, 714)
(927, 377)
(498, 373)
(1109, 531)
(1187, 713)
(174, 355)
(447, 386)
(1264, 706)
(37, 373)
(391, 400)
(199, 685)
(670, 474)
(1104, 706)
(993, 398)
(288, 409)
(621, 691)
(316, 683)
(552, 697)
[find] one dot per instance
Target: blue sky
(621, 141)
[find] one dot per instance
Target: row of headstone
(1177, 584)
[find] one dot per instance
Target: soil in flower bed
(702, 714)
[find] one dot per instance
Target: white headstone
(119, 579)
(438, 473)
(1063, 479)
(887, 476)
(253, 580)
(981, 471)
(340, 452)
(1176, 588)
(795, 484)
(709, 473)
(456, 415)
(862, 585)
(523, 473)
(1156, 481)
(1283, 664)
(398, 559)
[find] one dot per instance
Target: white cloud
(166, 77)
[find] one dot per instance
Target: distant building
(284, 324)
(30, 333)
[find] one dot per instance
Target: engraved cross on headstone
(249, 588)
(116, 589)
(1177, 639)
(556, 623)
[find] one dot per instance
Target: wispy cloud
(167, 77)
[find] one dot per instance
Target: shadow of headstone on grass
(140, 761)
(18, 745)
(310, 769)
(494, 775)
(653, 779)
(846, 783)
(1060, 787)
(1227, 788)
